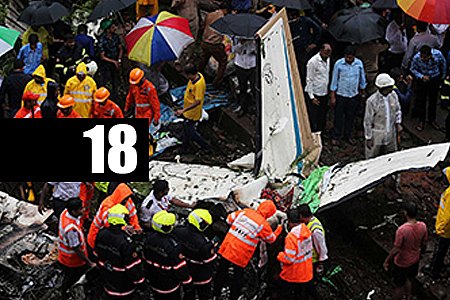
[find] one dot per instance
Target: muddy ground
(361, 230)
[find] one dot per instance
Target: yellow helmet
(163, 221)
(116, 215)
(200, 218)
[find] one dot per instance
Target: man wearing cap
(72, 251)
(383, 118)
(103, 108)
(82, 88)
(30, 108)
(66, 110)
(120, 265)
(142, 99)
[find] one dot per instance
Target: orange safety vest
(121, 193)
(66, 255)
(248, 227)
(297, 265)
(145, 101)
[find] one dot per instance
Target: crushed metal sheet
(192, 182)
(341, 183)
(20, 212)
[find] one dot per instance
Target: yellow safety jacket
(82, 92)
(40, 89)
(443, 214)
(313, 225)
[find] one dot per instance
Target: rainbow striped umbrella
(158, 38)
(430, 11)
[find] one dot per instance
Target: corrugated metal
(14, 9)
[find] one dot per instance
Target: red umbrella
(430, 11)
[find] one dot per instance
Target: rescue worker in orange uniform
(118, 260)
(72, 251)
(66, 110)
(86, 195)
(121, 195)
(296, 274)
(104, 108)
(30, 108)
(248, 227)
(142, 98)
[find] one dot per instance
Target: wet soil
(361, 231)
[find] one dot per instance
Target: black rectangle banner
(74, 150)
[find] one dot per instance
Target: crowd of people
(377, 83)
(129, 243)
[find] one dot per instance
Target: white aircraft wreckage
(287, 156)
(286, 148)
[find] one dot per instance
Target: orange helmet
(101, 95)
(136, 75)
(66, 101)
(30, 96)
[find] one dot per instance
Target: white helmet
(384, 80)
(92, 68)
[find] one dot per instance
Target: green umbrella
(8, 38)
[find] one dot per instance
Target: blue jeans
(344, 116)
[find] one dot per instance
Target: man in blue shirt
(31, 54)
(429, 68)
(84, 40)
(347, 85)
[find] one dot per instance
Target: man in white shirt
(245, 63)
(397, 39)
(317, 80)
(158, 199)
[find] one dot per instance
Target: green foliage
(81, 11)
(3, 8)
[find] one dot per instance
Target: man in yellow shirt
(192, 109)
(82, 88)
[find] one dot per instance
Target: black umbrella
(385, 4)
(294, 4)
(242, 25)
(43, 13)
(106, 7)
(357, 25)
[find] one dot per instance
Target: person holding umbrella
(245, 63)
